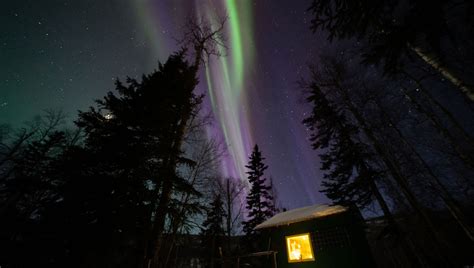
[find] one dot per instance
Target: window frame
(288, 249)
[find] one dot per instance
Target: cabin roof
(301, 214)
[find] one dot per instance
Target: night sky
(64, 54)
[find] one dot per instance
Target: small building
(318, 236)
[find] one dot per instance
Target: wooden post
(274, 259)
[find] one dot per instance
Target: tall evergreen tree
(213, 232)
(206, 40)
(113, 185)
(259, 200)
(348, 177)
(114, 191)
(215, 214)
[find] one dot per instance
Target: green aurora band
(226, 76)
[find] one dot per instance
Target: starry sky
(64, 54)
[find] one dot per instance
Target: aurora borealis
(225, 76)
(79, 48)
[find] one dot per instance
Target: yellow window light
(299, 248)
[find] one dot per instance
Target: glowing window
(299, 248)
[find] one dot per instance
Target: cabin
(318, 236)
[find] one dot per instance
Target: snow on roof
(301, 214)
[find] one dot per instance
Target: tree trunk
(407, 246)
(161, 211)
(180, 217)
(436, 64)
(156, 239)
(449, 201)
(213, 250)
(441, 130)
(440, 106)
(229, 216)
(394, 170)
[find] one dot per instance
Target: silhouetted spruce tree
(213, 233)
(181, 81)
(116, 181)
(215, 214)
(349, 178)
(206, 40)
(259, 200)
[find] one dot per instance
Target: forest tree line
(133, 175)
(391, 104)
(392, 119)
